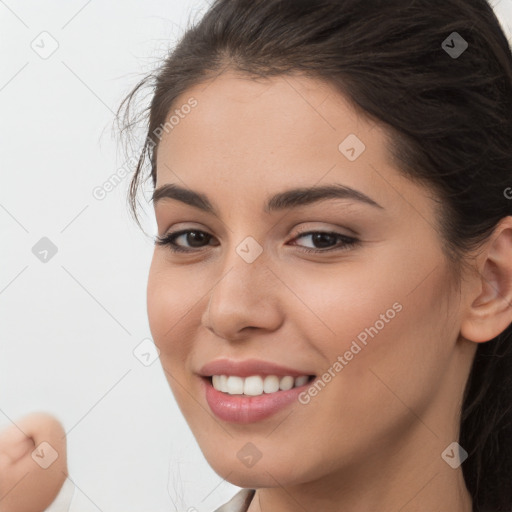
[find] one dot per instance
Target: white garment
(239, 502)
(62, 503)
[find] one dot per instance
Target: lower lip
(249, 409)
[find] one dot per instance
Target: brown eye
(194, 237)
(323, 239)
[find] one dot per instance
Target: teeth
(271, 384)
(256, 385)
(235, 385)
(286, 383)
(253, 385)
(300, 381)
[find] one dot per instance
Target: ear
(489, 311)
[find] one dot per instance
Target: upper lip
(248, 367)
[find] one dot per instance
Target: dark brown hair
(449, 120)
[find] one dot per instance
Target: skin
(25, 486)
(372, 439)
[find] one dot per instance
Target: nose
(246, 297)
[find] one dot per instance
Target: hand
(24, 485)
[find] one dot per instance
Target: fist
(30, 479)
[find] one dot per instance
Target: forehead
(245, 139)
(242, 123)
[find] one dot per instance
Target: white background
(68, 327)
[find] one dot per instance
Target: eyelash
(169, 240)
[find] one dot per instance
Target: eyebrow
(293, 198)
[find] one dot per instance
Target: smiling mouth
(256, 385)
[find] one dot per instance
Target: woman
(331, 285)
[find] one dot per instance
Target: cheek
(159, 301)
(169, 306)
(376, 318)
(168, 320)
(334, 304)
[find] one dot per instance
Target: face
(349, 288)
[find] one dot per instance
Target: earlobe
(490, 311)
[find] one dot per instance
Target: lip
(245, 409)
(248, 367)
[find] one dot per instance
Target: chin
(264, 473)
(253, 478)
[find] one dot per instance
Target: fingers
(33, 463)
